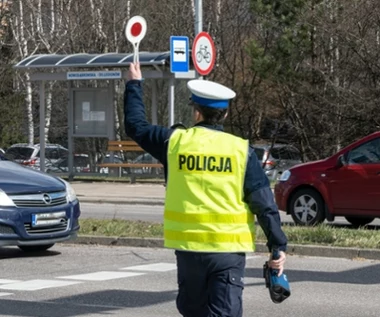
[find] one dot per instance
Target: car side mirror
(341, 161)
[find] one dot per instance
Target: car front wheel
(35, 248)
(307, 207)
(359, 221)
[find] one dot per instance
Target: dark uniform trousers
(210, 284)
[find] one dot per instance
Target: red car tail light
(268, 165)
(29, 162)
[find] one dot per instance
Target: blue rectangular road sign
(179, 54)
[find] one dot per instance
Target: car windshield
(19, 153)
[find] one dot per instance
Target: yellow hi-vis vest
(204, 208)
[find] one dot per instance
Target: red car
(345, 184)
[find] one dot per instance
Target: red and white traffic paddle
(135, 31)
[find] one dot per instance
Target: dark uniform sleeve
(152, 138)
(258, 195)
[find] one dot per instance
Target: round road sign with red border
(203, 53)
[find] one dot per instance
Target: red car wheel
(307, 207)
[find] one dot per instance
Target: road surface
(93, 281)
(155, 213)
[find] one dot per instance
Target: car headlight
(5, 200)
(285, 176)
(70, 192)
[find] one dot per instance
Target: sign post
(135, 31)
(203, 53)
(179, 54)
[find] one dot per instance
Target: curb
(293, 249)
(125, 201)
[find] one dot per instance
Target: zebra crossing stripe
(4, 281)
(155, 267)
(35, 285)
(39, 284)
(100, 276)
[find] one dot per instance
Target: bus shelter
(91, 110)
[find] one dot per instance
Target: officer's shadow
(365, 275)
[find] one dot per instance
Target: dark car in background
(81, 164)
(346, 184)
(277, 158)
(29, 155)
(109, 159)
(37, 210)
(147, 158)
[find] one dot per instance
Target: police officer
(215, 188)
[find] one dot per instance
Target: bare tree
(316, 77)
(24, 38)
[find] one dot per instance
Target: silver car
(277, 158)
(29, 155)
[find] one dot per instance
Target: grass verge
(324, 235)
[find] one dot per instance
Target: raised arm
(151, 138)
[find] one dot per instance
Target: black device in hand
(278, 286)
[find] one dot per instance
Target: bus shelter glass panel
(91, 112)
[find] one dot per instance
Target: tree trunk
(117, 93)
(29, 109)
(49, 96)
(23, 48)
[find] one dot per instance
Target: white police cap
(210, 94)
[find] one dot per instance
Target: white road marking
(34, 285)
(156, 267)
(100, 276)
(252, 257)
(3, 281)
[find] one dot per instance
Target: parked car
(277, 158)
(108, 159)
(81, 164)
(29, 155)
(345, 184)
(146, 158)
(37, 210)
